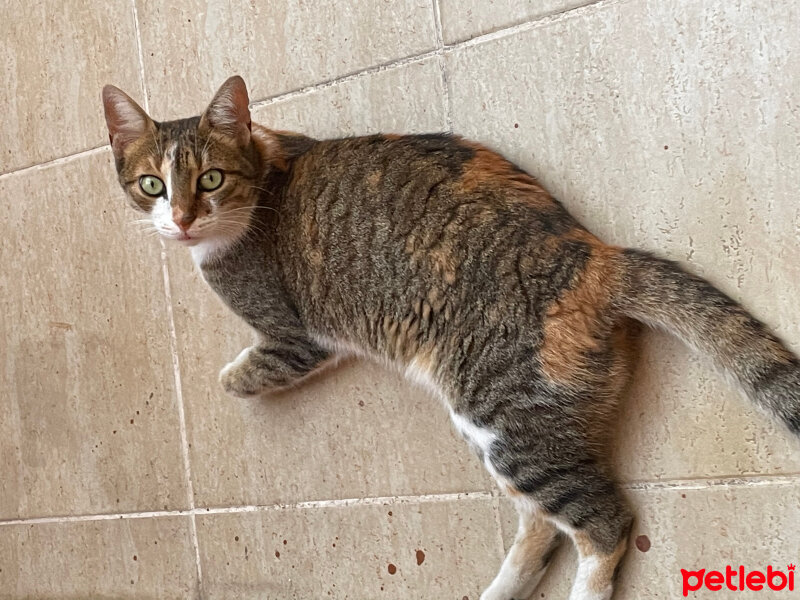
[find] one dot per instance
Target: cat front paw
(238, 378)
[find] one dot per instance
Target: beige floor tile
(88, 420)
(400, 551)
(364, 430)
(148, 559)
(56, 57)
(665, 133)
(706, 528)
(464, 19)
(191, 48)
(407, 99)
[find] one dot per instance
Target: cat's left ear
(126, 120)
(228, 112)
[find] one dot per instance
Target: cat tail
(661, 294)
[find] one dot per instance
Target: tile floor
(125, 472)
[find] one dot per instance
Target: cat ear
(228, 112)
(126, 120)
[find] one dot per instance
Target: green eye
(151, 185)
(210, 180)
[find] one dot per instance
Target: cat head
(196, 178)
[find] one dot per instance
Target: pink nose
(183, 221)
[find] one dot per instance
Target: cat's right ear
(229, 112)
(126, 120)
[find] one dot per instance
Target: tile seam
(60, 160)
(173, 342)
(699, 483)
(448, 104)
(353, 76)
(531, 24)
(675, 484)
(181, 414)
(279, 507)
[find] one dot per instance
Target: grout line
(99, 517)
(67, 158)
(176, 367)
(439, 51)
(535, 23)
(699, 483)
(173, 343)
(223, 510)
(353, 76)
(448, 104)
(140, 53)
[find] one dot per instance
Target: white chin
(182, 241)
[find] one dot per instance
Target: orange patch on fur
(373, 179)
(489, 169)
(444, 264)
(532, 545)
(577, 323)
(603, 574)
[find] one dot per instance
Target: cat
(437, 255)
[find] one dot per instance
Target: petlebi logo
(739, 579)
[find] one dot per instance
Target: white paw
(234, 380)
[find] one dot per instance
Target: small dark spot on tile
(114, 432)
(420, 557)
(392, 569)
(683, 495)
(137, 412)
(134, 557)
(236, 538)
(277, 554)
(284, 542)
(334, 544)
(361, 403)
(643, 543)
(516, 125)
(131, 581)
(390, 513)
(131, 421)
(666, 147)
(151, 395)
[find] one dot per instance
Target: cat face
(196, 178)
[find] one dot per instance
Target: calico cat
(439, 256)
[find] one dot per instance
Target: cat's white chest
(205, 249)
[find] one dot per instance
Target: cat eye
(151, 185)
(210, 180)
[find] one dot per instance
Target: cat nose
(183, 220)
